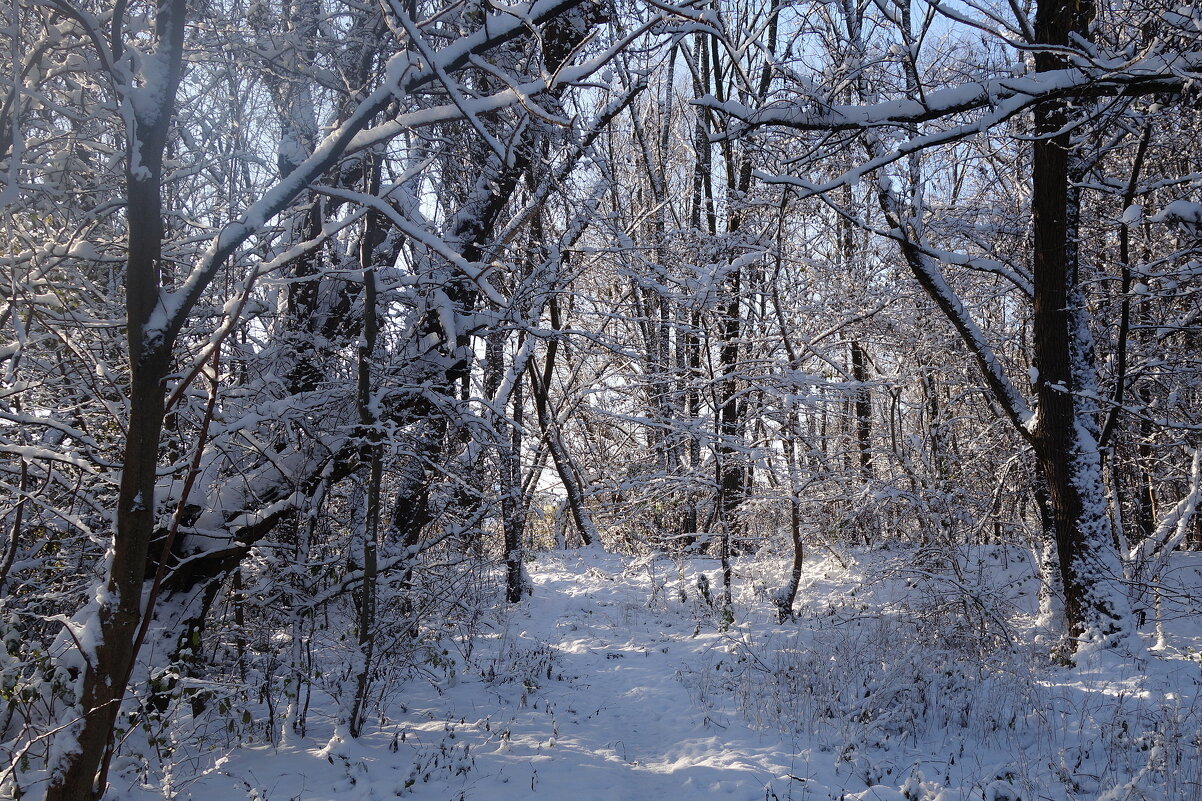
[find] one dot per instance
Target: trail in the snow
(615, 682)
(600, 712)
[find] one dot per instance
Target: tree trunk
(373, 238)
(81, 772)
(569, 474)
(1065, 435)
(513, 513)
(863, 408)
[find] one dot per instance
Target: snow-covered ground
(617, 680)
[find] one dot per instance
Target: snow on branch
(1182, 212)
(932, 279)
(429, 240)
(1003, 97)
(1174, 527)
(405, 75)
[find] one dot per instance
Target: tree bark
(81, 772)
(1065, 434)
(863, 406)
(373, 238)
(569, 473)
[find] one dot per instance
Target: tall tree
(186, 244)
(1063, 429)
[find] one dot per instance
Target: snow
(878, 792)
(337, 143)
(1179, 211)
(615, 681)
(1003, 97)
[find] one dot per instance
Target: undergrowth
(917, 679)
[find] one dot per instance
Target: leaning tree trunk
(569, 474)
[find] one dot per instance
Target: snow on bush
(913, 673)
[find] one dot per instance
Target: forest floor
(618, 680)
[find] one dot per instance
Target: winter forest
(601, 399)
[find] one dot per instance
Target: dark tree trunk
(513, 513)
(369, 247)
(863, 406)
(730, 420)
(82, 773)
(565, 465)
(1065, 436)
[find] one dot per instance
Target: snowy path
(606, 685)
(613, 721)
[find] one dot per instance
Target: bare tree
(1063, 429)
